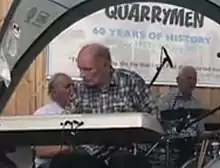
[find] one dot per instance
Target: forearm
(49, 151)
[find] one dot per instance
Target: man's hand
(50, 151)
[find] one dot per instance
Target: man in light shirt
(182, 97)
(59, 89)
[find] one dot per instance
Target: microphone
(162, 63)
(168, 59)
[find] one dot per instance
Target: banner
(135, 34)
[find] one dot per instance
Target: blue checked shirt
(175, 100)
(127, 92)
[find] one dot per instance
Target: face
(187, 82)
(91, 67)
(62, 90)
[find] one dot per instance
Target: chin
(90, 84)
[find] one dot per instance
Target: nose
(193, 81)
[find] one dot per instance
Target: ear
(107, 63)
(53, 92)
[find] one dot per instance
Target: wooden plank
(10, 108)
(46, 97)
(27, 85)
(203, 95)
(22, 102)
(215, 97)
(4, 6)
(32, 83)
(40, 80)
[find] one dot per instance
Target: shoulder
(128, 76)
(78, 89)
(49, 109)
(42, 110)
(76, 83)
(171, 94)
(197, 103)
(126, 73)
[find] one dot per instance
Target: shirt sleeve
(41, 111)
(142, 96)
(49, 109)
(163, 103)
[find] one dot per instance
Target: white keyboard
(94, 128)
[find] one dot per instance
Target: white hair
(183, 70)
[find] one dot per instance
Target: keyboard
(116, 128)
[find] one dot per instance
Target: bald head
(187, 70)
(94, 63)
(57, 79)
(96, 50)
(59, 88)
(187, 79)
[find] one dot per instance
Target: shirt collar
(114, 77)
(180, 95)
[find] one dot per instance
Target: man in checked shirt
(182, 97)
(105, 89)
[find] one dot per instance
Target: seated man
(59, 89)
(182, 97)
(108, 90)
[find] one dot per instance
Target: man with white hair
(59, 89)
(182, 97)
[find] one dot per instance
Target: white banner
(135, 33)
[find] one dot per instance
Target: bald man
(109, 90)
(105, 89)
(182, 97)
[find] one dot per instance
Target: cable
(33, 156)
(74, 125)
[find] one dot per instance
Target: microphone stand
(158, 71)
(164, 138)
(74, 126)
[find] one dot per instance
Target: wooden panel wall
(31, 92)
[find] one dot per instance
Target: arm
(162, 105)
(142, 96)
(49, 151)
